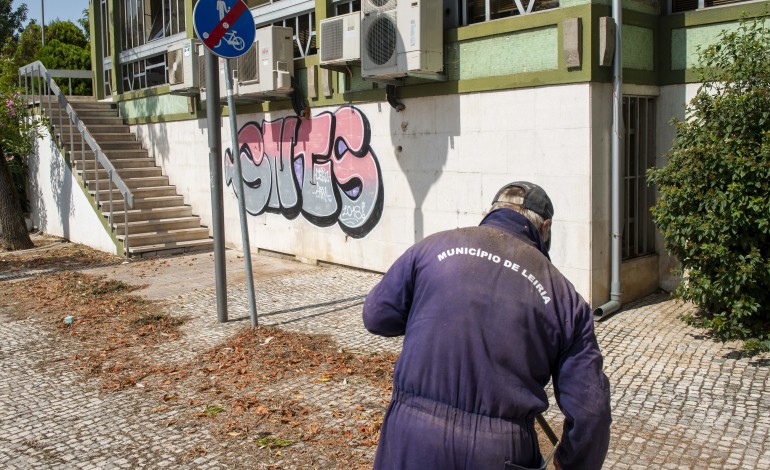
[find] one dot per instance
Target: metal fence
(41, 91)
(639, 156)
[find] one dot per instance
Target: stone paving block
(679, 400)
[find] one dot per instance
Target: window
(148, 26)
(144, 73)
(478, 11)
(346, 6)
(677, 6)
(105, 45)
(638, 229)
(299, 15)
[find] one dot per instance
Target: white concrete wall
(672, 103)
(441, 160)
(59, 205)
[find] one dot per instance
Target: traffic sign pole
(226, 28)
(214, 123)
(241, 195)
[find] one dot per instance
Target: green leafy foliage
(11, 20)
(714, 203)
(17, 134)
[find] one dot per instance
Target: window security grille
(638, 229)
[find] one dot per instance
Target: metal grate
(369, 6)
(331, 37)
(202, 71)
(248, 65)
(381, 39)
(638, 197)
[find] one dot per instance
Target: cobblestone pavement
(679, 399)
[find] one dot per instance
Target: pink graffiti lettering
(323, 168)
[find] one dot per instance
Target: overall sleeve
(387, 306)
(583, 394)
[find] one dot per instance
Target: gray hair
(513, 198)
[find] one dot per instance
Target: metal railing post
(61, 127)
(125, 223)
(72, 139)
(82, 156)
(96, 177)
(109, 174)
(39, 91)
(48, 92)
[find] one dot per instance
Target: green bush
(714, 192)
(17, 134)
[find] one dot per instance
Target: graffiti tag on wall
(322, 168)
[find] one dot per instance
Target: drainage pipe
(617, 148)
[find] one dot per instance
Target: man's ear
(545, 228)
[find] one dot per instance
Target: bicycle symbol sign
(226, 27)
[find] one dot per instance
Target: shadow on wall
(159, 147)
(672, 104)
(61, 185)
(61, 182)
(423, 135)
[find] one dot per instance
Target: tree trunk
(13, 230)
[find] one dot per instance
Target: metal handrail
(37, 69)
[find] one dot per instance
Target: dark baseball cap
(534, 198)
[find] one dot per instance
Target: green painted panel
(638, 48)
(686, 41)
(642, 6)
(153, 106)
(504, 54)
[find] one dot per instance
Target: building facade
(521, 92)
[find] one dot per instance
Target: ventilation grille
(202, 72)
(332, 37)
(248, 66)
(368, 6)
(380, 40)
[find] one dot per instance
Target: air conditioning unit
(400, 37)
(266, 70)
(340, 39)
(222, 82)
(182, 61)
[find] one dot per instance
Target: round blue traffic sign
(226, 27)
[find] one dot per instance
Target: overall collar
(511, 222)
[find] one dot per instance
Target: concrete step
(99, 127)
(81, 99)
(137, 240)
(100, 138)
(89, 103)
(156, 225)
(141, 203)
(127, 173)
(96, 113)
(106, 120)
(135, 184)
(153, 213)
(124, 145)
(162, 249)
(114, 155)
(151, 191)
(123, 163)
(81, 107)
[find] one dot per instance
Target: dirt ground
(117, 332)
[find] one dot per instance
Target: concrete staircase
(159, 223)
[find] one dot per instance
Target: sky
(62, 9)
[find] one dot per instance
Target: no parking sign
(226, 27)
